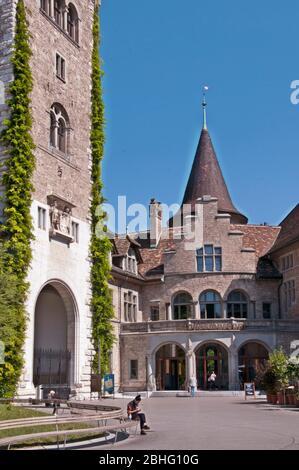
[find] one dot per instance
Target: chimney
(155, 222)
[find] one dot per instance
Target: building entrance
(170, 368)
(212, 358)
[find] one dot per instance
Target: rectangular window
(41, 218)
(209, 259)
(130, 307)
(133, 373)
(287, 262)
(75, 232)
(60, 67)
(155, 314)
(289, 294)
(266, 310)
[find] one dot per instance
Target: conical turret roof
(206, 179)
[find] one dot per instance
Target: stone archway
(170, 367)
(55, 339)
(252, 356)
(212, 357)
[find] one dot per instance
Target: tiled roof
(259, 237)
(289, 232)
(152, 257)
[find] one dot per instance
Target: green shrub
(16, 232)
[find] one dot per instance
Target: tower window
(41, 218)
(65, 16)
(73, 23)
(59, 131)
(75, 231)
(60, 67)
(45, 6)
(58, 12)
(209, 259)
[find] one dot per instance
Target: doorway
(170, 368)
(212, 358)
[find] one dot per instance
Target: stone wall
(291, 274)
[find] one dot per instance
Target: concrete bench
(125, 424)
(54, 420)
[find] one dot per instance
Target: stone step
(203, 393)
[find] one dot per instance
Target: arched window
(59, 128)
(53, 131)
(58, 12)
(73, 23)
(45, 6)
(210, 305)
(237, 305)
(61, 135)
(183, 306)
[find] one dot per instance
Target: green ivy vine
(101, 302)
(17, 229)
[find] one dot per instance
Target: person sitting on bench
(134, 412)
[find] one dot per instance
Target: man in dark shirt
(134, 412)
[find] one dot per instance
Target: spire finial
(204, 106)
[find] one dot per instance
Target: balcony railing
(223, 324)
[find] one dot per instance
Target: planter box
(272, 398)
(281, 399)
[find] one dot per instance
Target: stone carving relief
(60, 217)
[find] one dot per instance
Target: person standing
(134, 412)
(211, 380)
(193, 385)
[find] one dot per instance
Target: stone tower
(58, 347)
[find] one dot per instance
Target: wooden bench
(8, 441)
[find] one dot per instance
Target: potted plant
(278, 362)
(266, 380)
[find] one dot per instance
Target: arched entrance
(212, 357)
(170, 368)
(54, 339)
(252, 357)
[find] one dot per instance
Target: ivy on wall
(101, 303)
(17, 229)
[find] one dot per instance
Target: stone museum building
(219, 300)
(220, 303)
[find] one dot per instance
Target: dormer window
(131, 262)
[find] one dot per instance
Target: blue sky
(157, 55)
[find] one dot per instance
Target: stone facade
(60, 260)
(165, 351)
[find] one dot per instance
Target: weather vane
(204, 105)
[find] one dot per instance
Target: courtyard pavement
(205, 423)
